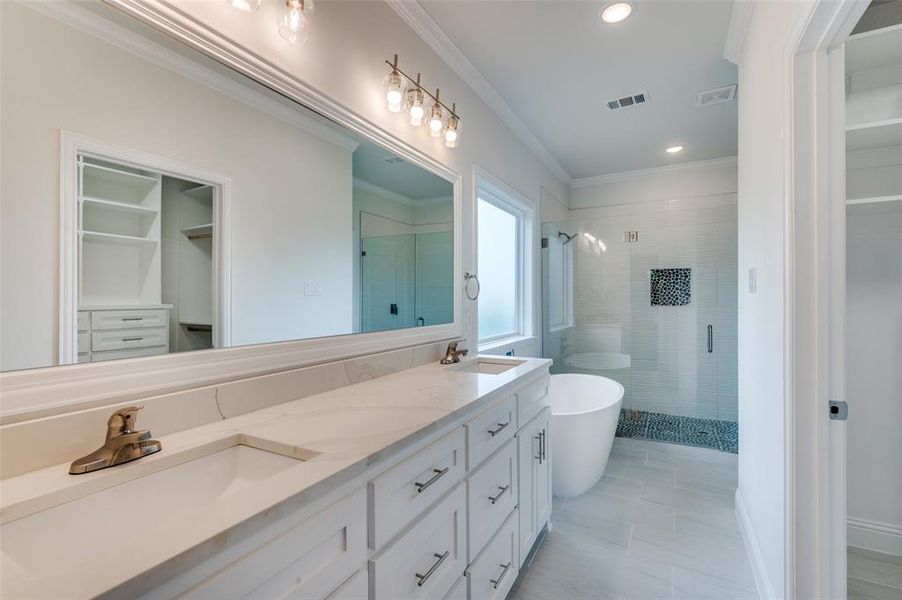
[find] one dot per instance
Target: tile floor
(659, 525)
(874, 576)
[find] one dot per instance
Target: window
(503, 239)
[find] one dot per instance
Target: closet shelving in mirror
(876, 134)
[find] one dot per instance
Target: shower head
(567, 238)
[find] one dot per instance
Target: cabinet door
(527, 451)
(543, 470)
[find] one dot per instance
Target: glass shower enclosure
(649, 299)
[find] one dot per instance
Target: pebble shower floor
(689, 431)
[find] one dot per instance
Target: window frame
(502, 197)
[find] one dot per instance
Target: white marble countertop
(351, 428)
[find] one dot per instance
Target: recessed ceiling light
(674, 149)
(616, 12)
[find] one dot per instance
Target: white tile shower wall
(658, 353)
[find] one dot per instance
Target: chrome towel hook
(468, 277)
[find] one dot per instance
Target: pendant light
(394, 93)
(452, 131)
(416, 101)
(296, 18)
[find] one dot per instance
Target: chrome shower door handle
(710, 338)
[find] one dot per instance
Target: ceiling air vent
(627, 101)
(393, 160)
(716, 96)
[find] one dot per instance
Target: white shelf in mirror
(119, 206)
(874, 49)
(120, 176)
(197, 230)
(116, 238)
(874, 199)
(877, 134)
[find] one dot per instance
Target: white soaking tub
(584, 414)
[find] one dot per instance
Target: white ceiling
(556, 64)
(381, 167)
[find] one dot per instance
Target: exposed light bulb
(674, 149)
(616, 12)
(436, 121)
(394, 95)
(452, 132)
(245, 5)
(296, 19)
(415, 98)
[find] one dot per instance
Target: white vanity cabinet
(115, 333)
(534, 473)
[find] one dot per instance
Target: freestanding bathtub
(584, 414)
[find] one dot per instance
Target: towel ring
(468, 277)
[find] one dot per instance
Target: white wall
(763, 106)
(874, 355)
(287, 227)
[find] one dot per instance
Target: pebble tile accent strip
(671, 287)
(689, 431)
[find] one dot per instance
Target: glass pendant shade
(452, 132)
(245, 5)
(394, 94)
(436, 121)
(296, 19)
(415, 98)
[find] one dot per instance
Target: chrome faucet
(452, 354)
(123, 443)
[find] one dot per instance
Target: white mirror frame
(33, 393)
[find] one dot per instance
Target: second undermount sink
(95, 524)
(488, 366)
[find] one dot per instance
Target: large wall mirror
(155, 201)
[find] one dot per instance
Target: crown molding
(425, 26)
(94, 25)
(584, 182)
(740, 17)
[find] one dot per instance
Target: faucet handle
(123, 420)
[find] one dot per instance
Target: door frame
(815, 467)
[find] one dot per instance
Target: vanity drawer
(531, 400)
(84, 320)
(493, 573)
(127, 338)
(407, 489)
(309, 560)
(127, 353)
(84, 342)
(459, 591)
(489, 431)
(430, 557)
(355, 588)
(491, 496)
(127, 319)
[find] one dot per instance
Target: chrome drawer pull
(499, 429)
(423, 577)
(132, 318)
(438, 475)
(539, 437)
(496, 582)
(501, 490)
(132, 339)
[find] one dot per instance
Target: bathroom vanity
(433, 482)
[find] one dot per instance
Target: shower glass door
(649, 300)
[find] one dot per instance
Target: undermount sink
(488, 366)
(110, 518)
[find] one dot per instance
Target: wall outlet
(312, 288)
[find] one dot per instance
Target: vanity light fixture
(616, 12)
(245, 5)
(296, 19)
(674, 149)
(399, 96)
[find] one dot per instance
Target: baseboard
(875, 536)
(753, 549)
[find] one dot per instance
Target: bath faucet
(123, 443)
(452, 354)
